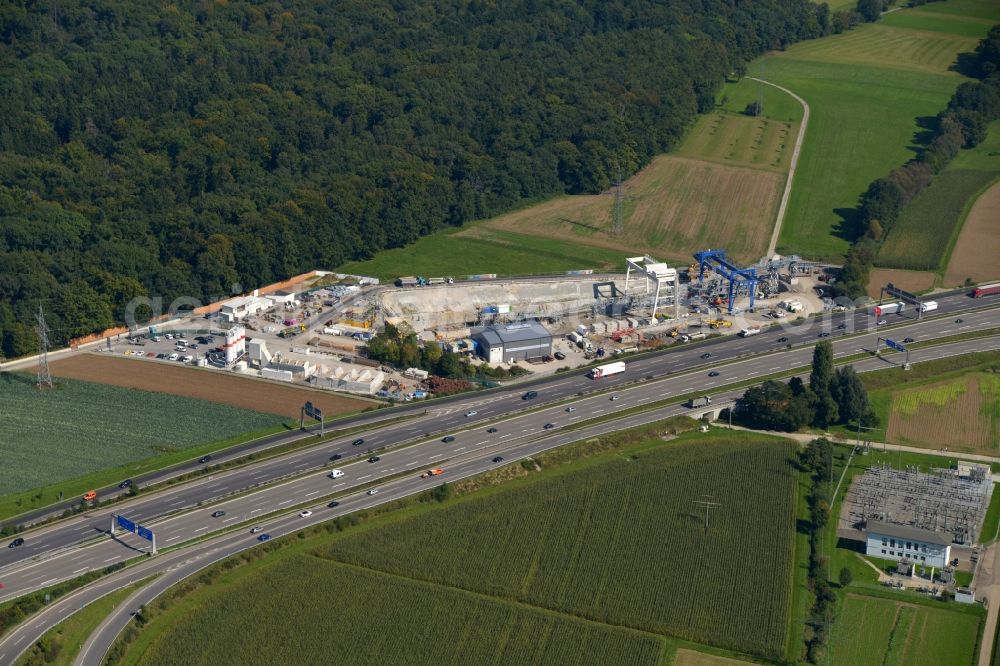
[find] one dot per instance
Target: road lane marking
(315, 492)
(363, 477)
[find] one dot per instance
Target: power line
(708, 505)
(44, 376)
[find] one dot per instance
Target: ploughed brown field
(203, 384)
(978, 248)
(912, 281)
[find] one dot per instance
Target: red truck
(986, 290)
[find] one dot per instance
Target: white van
(335, 474)
(182, 341)
(927, 306)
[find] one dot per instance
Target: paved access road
(183, 562)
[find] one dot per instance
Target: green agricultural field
(877, 631)
(597, 558)
(346, 615)
(621, 543)
(81, 427)
(922, 237)
(985, 156)
(870, 92)
(489, 251)
(927, 18)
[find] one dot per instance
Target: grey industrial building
(519, 341)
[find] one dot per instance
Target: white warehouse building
(237, 308)
(902, 542)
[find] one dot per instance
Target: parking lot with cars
(173, 347)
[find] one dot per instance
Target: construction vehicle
(622, 333)
(719, 323)
(292, 331)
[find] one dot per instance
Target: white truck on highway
(889, 308)
(928, 306)
(747, 332)
(607, 370)
(336, 474)
(699, 402)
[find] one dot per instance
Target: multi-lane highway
(655, 364)
(443, 417)
(58, 553)
(181, 563)
(683, 372)
(289, 480)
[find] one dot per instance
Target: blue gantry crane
(718, 262)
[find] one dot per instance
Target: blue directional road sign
(125, 523)
(145, 533)
(894, 345)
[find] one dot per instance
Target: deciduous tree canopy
(176, 150)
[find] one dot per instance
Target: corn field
(623, 543)
(310, 611)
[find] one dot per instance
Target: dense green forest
(156, 149)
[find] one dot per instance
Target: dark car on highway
(907, 340)
(374, 459)
(713, 374)
(336, 456)
(358, 442)
(491, 430)
(333, 504)
(549, 426)
(447, 439)
(824, 335)
(125, 484)
(782, 339)
(529, 395)
(218, 514)
(706, 355)
(19, 541)
(263, 537)
(498, 459)
(204, 459)
(841, 327)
